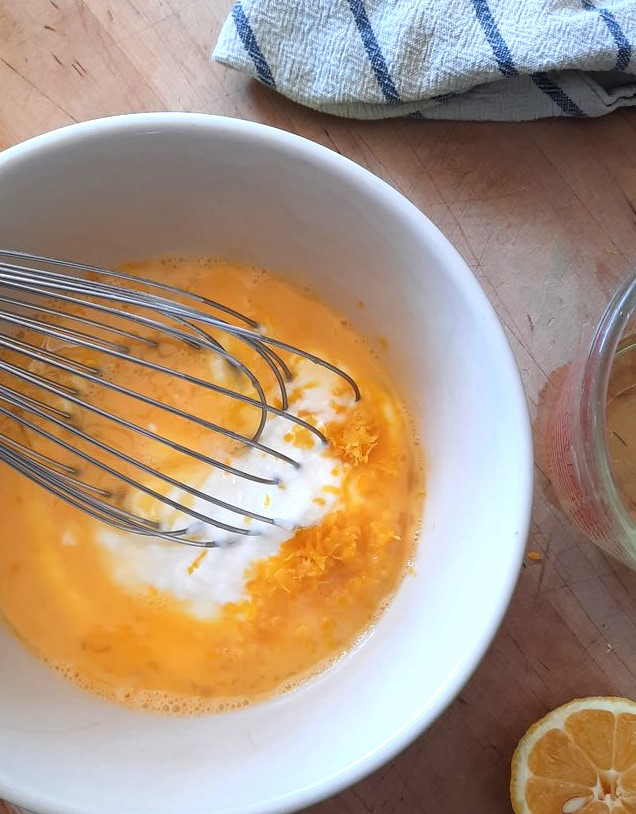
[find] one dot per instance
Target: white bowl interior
(136, 186)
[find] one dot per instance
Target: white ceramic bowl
(132, 186)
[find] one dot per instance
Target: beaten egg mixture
(167, 627)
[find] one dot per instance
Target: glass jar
(581, 468)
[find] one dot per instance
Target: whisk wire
(64, 304)
(124, 353)
(67, 476)
(44, 384)
(41, 260)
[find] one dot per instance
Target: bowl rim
(406, 731)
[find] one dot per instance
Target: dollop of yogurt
(206, 579)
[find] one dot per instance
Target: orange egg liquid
(301, 608)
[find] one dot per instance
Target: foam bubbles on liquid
(176, 704)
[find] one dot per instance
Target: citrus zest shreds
(197, 562)
(354, 439)
(335, 549)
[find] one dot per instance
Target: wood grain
(544, 213)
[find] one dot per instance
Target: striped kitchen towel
(439, 59)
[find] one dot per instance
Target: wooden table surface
(544, 214)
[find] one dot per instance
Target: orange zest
(354, 440)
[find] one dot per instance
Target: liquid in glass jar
(621, 422)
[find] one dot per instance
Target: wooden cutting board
(544, 213)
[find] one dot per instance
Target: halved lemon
(579, 759)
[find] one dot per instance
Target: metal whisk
(50, 309)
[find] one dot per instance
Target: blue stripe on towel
(622, 43)
(244, 30)
(558, 95)
(504, 60)
(495, 40)
(376, 58)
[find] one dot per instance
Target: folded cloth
(439, 59)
